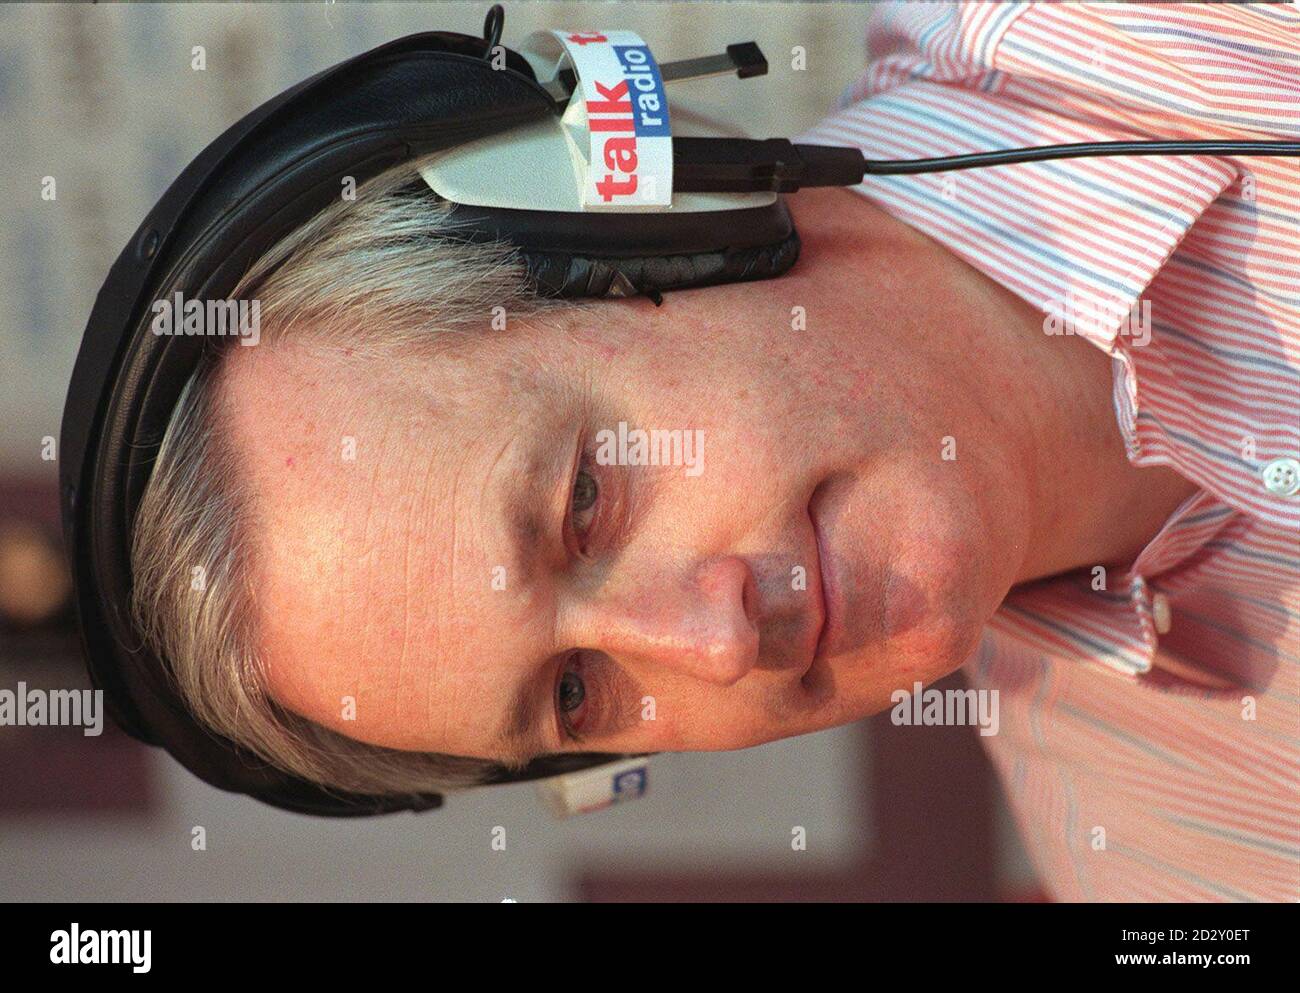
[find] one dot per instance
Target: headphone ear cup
(568, 275)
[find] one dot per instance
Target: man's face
(443, 538)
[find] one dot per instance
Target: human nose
(703, 623)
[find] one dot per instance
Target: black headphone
(285, 162)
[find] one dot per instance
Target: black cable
(744, 165)
(1080, 150)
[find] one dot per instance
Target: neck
(1091, 506)
(1083, 504)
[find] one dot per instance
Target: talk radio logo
(631, 153)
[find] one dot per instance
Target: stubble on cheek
(905, 605)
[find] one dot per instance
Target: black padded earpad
(580, 276)
(582, 254)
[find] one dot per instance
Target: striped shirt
(1130, 778)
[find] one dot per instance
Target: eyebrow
(519, 740)
(525, 534)
(528, 508)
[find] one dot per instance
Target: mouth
(829, 592)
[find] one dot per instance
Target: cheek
(907, 606)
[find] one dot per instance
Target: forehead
(379, 520)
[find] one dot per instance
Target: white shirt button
(1161, 613)
(1282, 476)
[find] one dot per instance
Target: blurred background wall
(103, 99)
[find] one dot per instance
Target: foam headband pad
(268, 174)
(575, 255)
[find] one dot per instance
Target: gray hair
(382, 271)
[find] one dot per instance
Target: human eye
(582, 503)
(573, 700)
